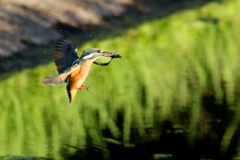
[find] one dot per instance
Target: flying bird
(73, 69)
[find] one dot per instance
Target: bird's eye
(99, 51)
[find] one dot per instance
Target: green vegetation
(168, 65)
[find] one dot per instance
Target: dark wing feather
(65, 54)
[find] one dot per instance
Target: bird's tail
(70, 91)
(71, 95)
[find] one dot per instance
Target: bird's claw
(83, 87)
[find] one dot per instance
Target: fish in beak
(107, 54)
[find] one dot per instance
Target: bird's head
(95, 53)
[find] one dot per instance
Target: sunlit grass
(166, 68)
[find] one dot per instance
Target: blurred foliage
(168, 65)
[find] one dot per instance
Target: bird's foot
(83, 87)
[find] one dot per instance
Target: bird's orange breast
(78, 77)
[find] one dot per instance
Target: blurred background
(174, 94)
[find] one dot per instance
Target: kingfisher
(73, 69)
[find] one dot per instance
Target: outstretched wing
(65, 54)
(60, 78)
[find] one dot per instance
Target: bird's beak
(108, 54)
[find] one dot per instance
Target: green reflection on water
(167, 67)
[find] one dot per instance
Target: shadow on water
(173, 141)
(111, 26)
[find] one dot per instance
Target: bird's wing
(60, 78)
(65, 54)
